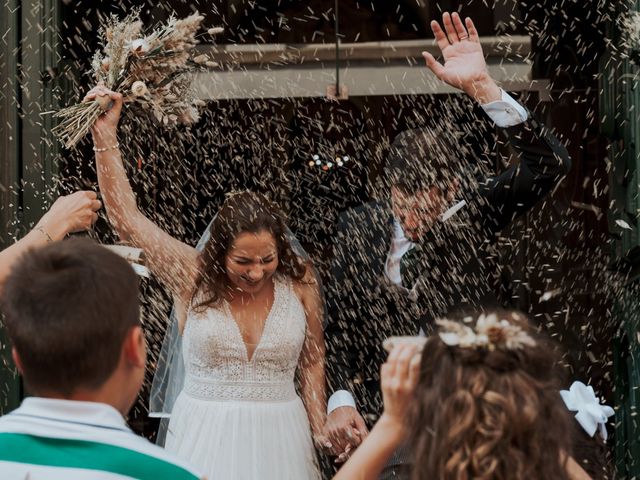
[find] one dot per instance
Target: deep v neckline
(267, 322)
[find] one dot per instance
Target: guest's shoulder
(161, 458)
(14, 421)
(368, 208)
(128, 451)
(374, 211)
(4, 419)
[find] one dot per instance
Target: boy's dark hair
(422, 158)
(68, 307)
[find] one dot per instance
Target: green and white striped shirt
(69, 440)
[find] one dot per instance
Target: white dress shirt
(400, 245)
(505, 112)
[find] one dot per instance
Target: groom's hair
(420, 159)
(68, 308)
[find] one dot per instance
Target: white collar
(72, 411)
(398, 231)
(452, 211)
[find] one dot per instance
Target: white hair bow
(592, 416)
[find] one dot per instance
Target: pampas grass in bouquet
(153, 72)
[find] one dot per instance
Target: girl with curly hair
(486, 406)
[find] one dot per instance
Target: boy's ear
(135, 348)
(17, 360)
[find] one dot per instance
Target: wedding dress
(240, 418)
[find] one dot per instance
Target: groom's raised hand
(464, 66)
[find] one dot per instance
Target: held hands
(344, 431)
(71, 213)
(105, 128)
(464, 66)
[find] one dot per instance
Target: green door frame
(620, 99)
(9, 175)
(28, 56)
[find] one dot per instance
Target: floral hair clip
(489, 332)
(591, 414)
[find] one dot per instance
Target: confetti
(623, 224)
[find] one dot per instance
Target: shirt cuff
(341, 398)
(506, 112)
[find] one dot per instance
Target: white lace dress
(239, 418)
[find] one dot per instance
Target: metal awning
(372, 68)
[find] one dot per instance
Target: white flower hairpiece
(489, 332)
(591, 414)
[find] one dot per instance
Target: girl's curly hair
(490, 413)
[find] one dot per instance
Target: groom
(400, 264)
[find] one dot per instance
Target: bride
(250, 318)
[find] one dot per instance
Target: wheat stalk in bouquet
(153, 72)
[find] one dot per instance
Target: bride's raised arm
(174, 262)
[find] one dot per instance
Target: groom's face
(417, 212)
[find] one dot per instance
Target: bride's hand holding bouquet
(105, 128)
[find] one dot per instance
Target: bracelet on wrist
(106, 149)
(44, 232)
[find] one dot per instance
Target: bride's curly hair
(490, 413)
(243, 212)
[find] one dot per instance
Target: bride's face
(252, 260)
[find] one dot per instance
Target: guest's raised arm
(68, 214)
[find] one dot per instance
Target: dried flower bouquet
(153, 72)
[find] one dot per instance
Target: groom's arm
(345, 427)
(342, 361)
(544, 162)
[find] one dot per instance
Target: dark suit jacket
(365, 308)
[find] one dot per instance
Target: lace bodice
(215, 356)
